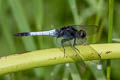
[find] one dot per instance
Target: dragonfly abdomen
(48, 33)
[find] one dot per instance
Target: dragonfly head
(81, 34)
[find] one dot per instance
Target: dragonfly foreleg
(74, 43)
(62, 43)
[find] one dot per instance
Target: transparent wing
(89, 29)
(82, 41)
(70, 50)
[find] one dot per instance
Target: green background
(38, 15)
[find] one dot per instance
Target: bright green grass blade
(22, 23)
(110, 26)
(110, 22)
(6, 32)
(99, 10)
(5, 28)
(101, 27)
(98, 74)
(38, 17)
(56, 73)
(74, 10)
(74, 72)
(86, 13)
(66, 73)
(38, 13)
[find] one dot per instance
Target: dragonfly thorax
(67, 32)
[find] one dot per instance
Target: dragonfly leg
(74, 43)
(62, 43)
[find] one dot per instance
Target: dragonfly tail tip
(21, 34)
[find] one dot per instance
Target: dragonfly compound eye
(82, 34)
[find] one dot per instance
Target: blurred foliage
(37, 15)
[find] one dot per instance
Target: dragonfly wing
(69, 49)
(82, 41)
(89, 29)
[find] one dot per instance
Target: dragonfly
(75, 33)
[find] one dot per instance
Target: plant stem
(55, 56)
(110, 24)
